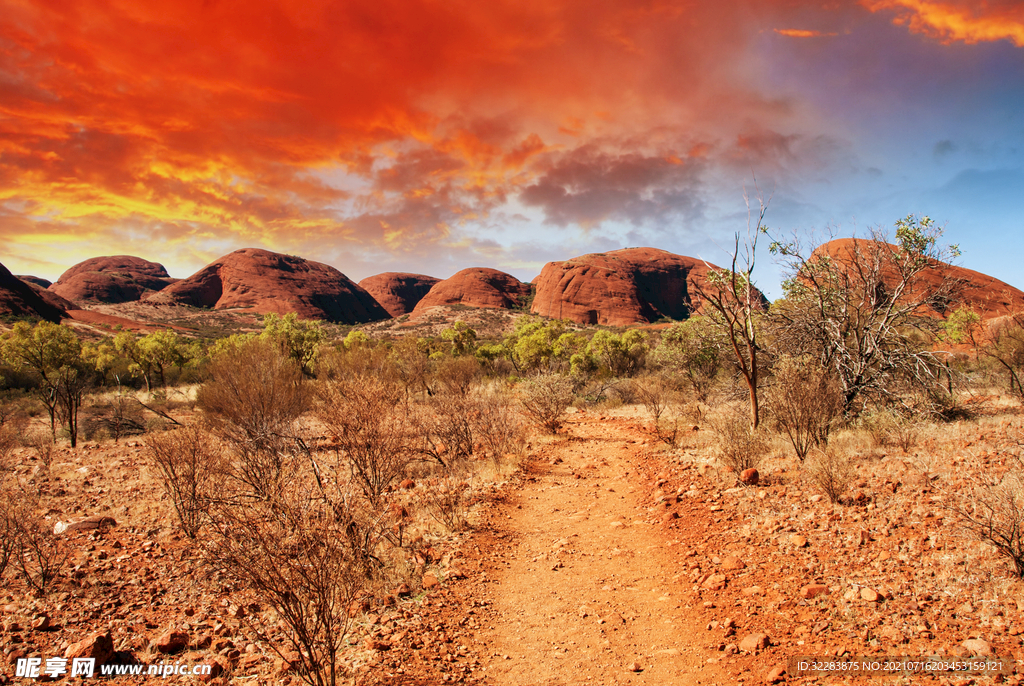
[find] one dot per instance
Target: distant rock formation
(38, 281)
(477, 287)
(268, 282)
(19, 299)
(113, 279)
(986, 295)
(397, 292)
(621, 287)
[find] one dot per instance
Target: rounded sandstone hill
(989, 297)
(397, 292)
(477, 287)
(113, 279)
(270, 282)
(37, 280)
(621, 287)
(20, 299)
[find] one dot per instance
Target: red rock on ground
(99, 646)
(398, 293)
(113, 279)
(621, 287)
(476, 287)
(270, 282)
(20, 299)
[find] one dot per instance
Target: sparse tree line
(291, 471)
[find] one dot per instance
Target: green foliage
(54, 353)
(152, 355)
(694, 347)
(619, 354)
(538, 345)
(960, 326)
(299, 339)
(461, 336)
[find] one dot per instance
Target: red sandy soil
(606, 559)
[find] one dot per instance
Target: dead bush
(296, 554)
(446, 502)
(991, 509)
(8, 532)
(253, 397)
(457, 375)
(545, 398)
(739, 446)
(36, 552)
(366, 418)
(888, 428)
(496, 424)
(191, 465)
(831, 471)
(805, 403)
(445, 423)
(661, 399)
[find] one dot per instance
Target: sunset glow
(430, 137)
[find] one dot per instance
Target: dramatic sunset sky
(434, 135)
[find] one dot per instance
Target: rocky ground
(607, 558)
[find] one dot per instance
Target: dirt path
(582, 587)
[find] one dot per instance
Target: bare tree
(190, 464)
(867, 309)
(252, 400)
(367, 418)
(1005, 346)
(734, 304)
(296, 553)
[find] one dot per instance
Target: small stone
(635, 667)
(429, 581)
(715, 582)
(379, 646)
(870, 596)
(798, 541)
(754, 643)
(99, 646)
(752, 590)
(171, 642)
(403, 591)
(813, 591)
(750, 477)
(978, 647)
(87, 524)
(407, 484)
(216, 669)
(41, 623)
(732, 562)
(776, 674)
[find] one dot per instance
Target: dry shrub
(545, 398)
(832, 472)
(991, 509)
(253, 397)
(457, 375)
(805, 403)
(444, 422)
(300, 554)
(661, 400)
(367, 419)
(497, 426)
(888, 428)
(29, 542)
(739, 446)
(446, 502)
(191, 465)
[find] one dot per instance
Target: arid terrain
(605, 557)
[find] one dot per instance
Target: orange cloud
(963, 21)
(803, 33)
(186, 128)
